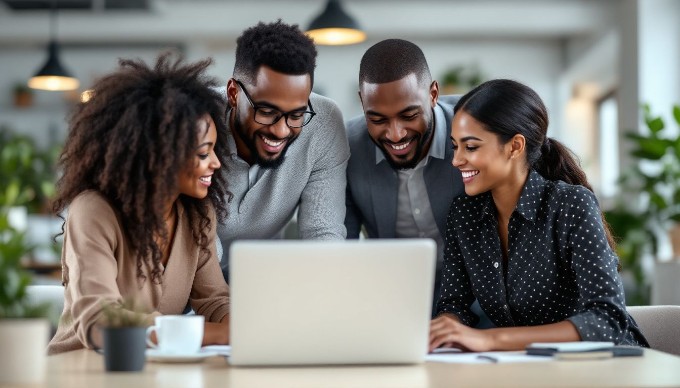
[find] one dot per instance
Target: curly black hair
(132, 139)
(391, 60)
(280, 46)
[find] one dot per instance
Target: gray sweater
(311, 178)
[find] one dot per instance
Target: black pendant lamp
(52, 75)
(335, 27)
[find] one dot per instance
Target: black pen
(493, 359)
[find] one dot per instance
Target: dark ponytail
(556, 162)
(508, 108)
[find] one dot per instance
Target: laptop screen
(320, 302)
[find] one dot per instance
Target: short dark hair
(391, 60)
(282, 47)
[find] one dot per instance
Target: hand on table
(216, 333)
(447, 330)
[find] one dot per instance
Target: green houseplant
(27, 172)
(13, 278)
(638, 221)
(27, 176)
(24, 328)
(22, 94)
(459, 79)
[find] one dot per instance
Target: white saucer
(158, 356)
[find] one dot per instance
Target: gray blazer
(372, 188)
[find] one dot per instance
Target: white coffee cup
(177, 334)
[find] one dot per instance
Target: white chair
(660, 325)
(51, 294)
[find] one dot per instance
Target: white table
(84, 368)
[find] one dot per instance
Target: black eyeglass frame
(280, 114)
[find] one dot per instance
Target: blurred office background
(594, 62)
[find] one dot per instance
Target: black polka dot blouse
(559, 267)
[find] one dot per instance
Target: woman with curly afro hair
(142, 197)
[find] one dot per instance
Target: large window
(608, 145)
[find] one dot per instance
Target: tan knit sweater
(98, 266)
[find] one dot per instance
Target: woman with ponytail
(528, 240)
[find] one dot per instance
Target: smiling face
(266, 145)
(399, 117)
(485, 163)
(196, 179)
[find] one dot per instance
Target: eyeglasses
(266, 115)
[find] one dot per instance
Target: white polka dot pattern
(559, 265)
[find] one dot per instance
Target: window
(608, 145)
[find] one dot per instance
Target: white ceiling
(220, 21)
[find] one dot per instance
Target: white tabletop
(84, 368)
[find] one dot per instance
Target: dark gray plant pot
(124, 348)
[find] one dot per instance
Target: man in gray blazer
(288, 148)
(400, 181)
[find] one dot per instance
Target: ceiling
(87, 5)
(24, 22)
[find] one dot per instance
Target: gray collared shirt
(311, 179)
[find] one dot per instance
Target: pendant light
(52, 75)
(335, 27)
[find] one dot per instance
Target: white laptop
(299, 302)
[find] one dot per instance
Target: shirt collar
(231, 142)
(529, 201)
(438, 146)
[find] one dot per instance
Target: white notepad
(577, 346)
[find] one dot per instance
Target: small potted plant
(124, 336)
(24, 327)
(23, 95)
(452, 80)
(460, 79)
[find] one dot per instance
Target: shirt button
(495, 265)
(416, 211)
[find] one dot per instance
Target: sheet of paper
(222, 350)
(483, 357)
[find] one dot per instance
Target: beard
(421, 140)
(263, 162)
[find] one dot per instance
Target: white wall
(534, 62)
(659, 57)
(46, 119)
(591, 72)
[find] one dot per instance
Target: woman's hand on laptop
(446, 330)
(216, 333)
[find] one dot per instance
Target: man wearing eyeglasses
(288, 148)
